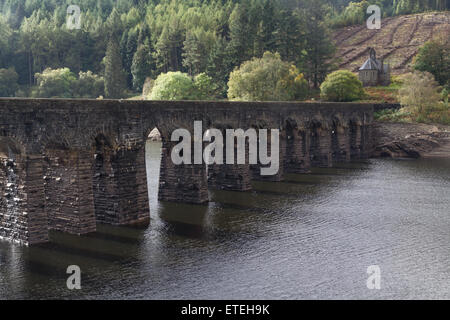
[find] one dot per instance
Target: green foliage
(181, 86)
(8, 82)
(205, 86)
(349, 12)
(220, 66)
(62, 83)
(317, 58)
(390, 115)
(420, 99)
(174, 86)
(444, 95)
(197, 46)
(191, 36)
(55, 83)
(143, 66)
(419, 92)
(267, 79)
(434, 57)
(114, 75)
(340, 86)
(89, 85)
(354, 13)
(5, 33)
(416, 6)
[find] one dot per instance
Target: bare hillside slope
(397, 42)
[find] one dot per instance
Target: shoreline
(410, 140)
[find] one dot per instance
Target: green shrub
(206, 89)
(402, 115)
(89, 85)
(8, 82)
(340, 86)
(419, 92)
(267, 79)
(174, 86)
(180, 86)
(421, 101)
(444, 95)
(354, 13)
(62, 83)
(55, 83)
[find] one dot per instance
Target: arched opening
(153, 155)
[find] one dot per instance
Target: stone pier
(69, 204)
(22, 209)
(181, 183)
(320, 147)
(297, 157)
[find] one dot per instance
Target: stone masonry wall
(78, 163)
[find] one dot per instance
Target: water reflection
(311, 236)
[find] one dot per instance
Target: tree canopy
(267, 79)
(434, 57)
(127, 41)
(341, 86)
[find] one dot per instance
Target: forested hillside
(121, 43)
(397, 42)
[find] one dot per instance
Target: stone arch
(153, 140)
(163, 131)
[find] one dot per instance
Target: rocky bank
(411, 140)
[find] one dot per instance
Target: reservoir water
(311, 236)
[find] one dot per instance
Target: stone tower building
(375, 72)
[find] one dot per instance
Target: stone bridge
(68, 165)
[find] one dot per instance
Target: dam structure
(69, 165)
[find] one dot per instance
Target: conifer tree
(317, 60)
(143, 66)
(239, 45)
(220, 65)
(114, 75)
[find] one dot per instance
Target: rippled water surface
(312, 236)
